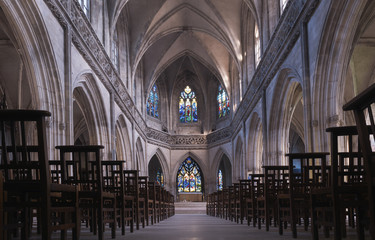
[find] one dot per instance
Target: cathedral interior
(195, 94)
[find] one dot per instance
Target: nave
(203, 227)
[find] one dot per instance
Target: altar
(190, 197)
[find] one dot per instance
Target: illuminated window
(220, 180)
(189, 177)
(153, 103)
(188, 108)
(160, 178)
(85, 5)
(115, 50)
(223, 102)
(256, 45)
(283, 5)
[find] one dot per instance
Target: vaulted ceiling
(168, 37)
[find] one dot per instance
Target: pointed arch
(24, 24)
(89, 100)
(123, 146)
(139, 158)
(202, 165)
(238, 160)
(164, 166)
(285, 98)
(254, 161)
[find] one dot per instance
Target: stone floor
(203, 227)
(198, 226)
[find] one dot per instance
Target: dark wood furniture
(345, 193)
(149, 203)
(306, 171)
(131, 178)
(362, 107)
(82, 167)
(275, 180)
(114, 182)
(256, 187)
(26, 183)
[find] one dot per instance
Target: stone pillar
(265, 130)
(308, 123)
(68, 86)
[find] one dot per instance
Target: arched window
(160, 177)
(85, 5)
(115, 50)
(256, 45)
(188, 106)
(283, 5)
(189, 177)
(223, 102)
(220, 180)
(153, 102)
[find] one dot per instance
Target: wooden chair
(244, 194)
(158, 202)
(306, 171)
(217, 208)
(346, 188)
(256, 187)
(26, 182)
(131, 178)
(226, 202)
(152, 195)
(149, 203)
(236, 203)
(362, 107)
(82, 167)
(113, 179)
(275, 180)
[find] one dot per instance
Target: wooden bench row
(321, 190)
(325, 191)
(79, 190)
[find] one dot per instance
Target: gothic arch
(89, 100)
(254, 161)
(191, 80)
(201, 164)
(29, 35)
(221, 160)
(287, 92)
(238, 161)
(139, 158)
(123, 146)
(335, 46)
(164, 165)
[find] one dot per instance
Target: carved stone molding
(68, 12)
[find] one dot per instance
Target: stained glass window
(188, 106)
(153, 103)
(223, 102)
(189, 177)
(160, 178)
(256, 45)
(220, 180)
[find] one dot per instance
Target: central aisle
(203, 227)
